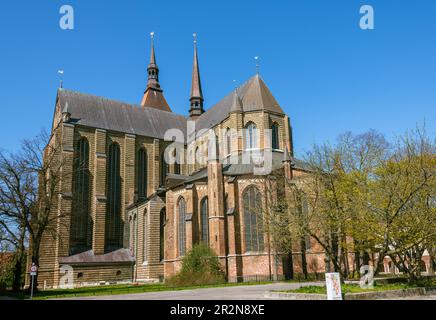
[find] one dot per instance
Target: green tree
(200, 266)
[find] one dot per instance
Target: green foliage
(199, 267)
(6, 274)
(353, 288)
(370, 197)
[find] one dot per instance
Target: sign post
(33, 273)
(333, 285)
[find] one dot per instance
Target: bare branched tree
(29, 192)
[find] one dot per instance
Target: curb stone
(353, 296)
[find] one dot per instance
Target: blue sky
(326, 73)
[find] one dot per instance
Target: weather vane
(152, 36)
(256, 58)
(195, 37)
(61, 75)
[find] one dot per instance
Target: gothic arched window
(251, 136)
(164, 169)
(113, 227)
(228, 141)
(197, 156)
(177, 162)
(181, 227)
(145, 235)
(132, 234)
(275, 140)
(253, 225)
(204, 220)
(141, 173)
(81, 222)
(162, 221)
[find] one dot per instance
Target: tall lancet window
(182, 227)
(164, 169)
(145, 236)
(162, 221)
(177, 158)
(253, 224)
(81, 221)
(133, 234)
(141, 173)
(113, 223)
(204, 221)
(228, 141)
(251, 136)
(275, 140)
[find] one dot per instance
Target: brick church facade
(132, 213)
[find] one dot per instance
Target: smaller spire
(153, 95)
(66, 115)
(196, 97)
(152, 69)
(236, 102)
(152, 54)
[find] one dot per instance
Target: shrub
(200, 266)
(6, 271)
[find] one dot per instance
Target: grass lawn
(121, 289)
(355, 288)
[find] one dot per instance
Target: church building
(128, 214)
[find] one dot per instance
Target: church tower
(196, 98)
(153, 95)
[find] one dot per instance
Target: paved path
(252, 292)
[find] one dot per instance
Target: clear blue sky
(326, 73)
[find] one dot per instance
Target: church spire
(153, 95)
(152, 69)
(196, 98)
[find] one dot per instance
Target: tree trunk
(356, 264)
(303, 258)
(19, 261)
(35, 259)
(18, 271)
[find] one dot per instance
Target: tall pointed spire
(152, 69)
(152, 54)
(196, 98)
(153, 96)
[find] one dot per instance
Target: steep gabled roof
(98, 112)
(253, 94)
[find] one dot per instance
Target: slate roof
(103, 113)
(99, 112)
(240, 168)
(254, 95)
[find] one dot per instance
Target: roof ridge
(97, 96)
(138, 106)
